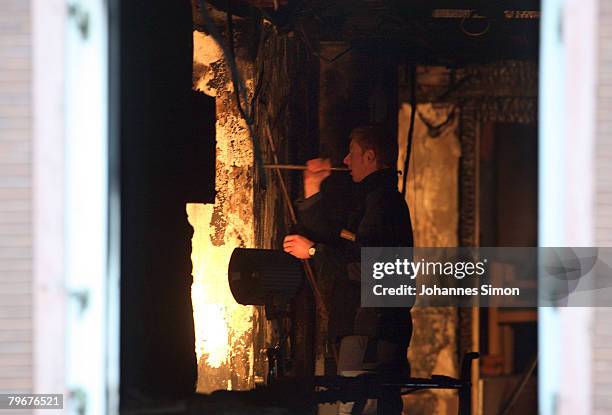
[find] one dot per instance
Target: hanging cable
(310, 49)
(240, 96)
(433, 130)
(239, 87)
(413, 105)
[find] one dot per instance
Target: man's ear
(370, 155)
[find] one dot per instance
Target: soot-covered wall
(166, 143)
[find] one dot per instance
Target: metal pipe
(298, 167)
(515, 394)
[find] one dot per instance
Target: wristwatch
(312, 251)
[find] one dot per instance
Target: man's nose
(346, 160)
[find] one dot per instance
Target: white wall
(567, 183)
(48, 193)
(76, 341)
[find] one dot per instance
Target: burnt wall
(432, 194)
(165, 136)
(444, 193)
(225, 331)
(286, 114)
(281, 77)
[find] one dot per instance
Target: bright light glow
(223, 328)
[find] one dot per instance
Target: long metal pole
(298, 167)
(310, 276)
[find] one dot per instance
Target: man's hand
(297, 246)
(316, 171)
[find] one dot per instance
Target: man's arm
(313, 223)
(385, 223)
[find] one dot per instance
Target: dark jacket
(378, 216)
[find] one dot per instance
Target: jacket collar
(379, 178)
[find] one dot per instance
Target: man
(378, 217)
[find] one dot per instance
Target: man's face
(361, 163)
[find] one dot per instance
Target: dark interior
(166, 142)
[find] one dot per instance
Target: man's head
(372, 148)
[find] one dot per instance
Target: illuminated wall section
(224, 329)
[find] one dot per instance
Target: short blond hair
(377, 138)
